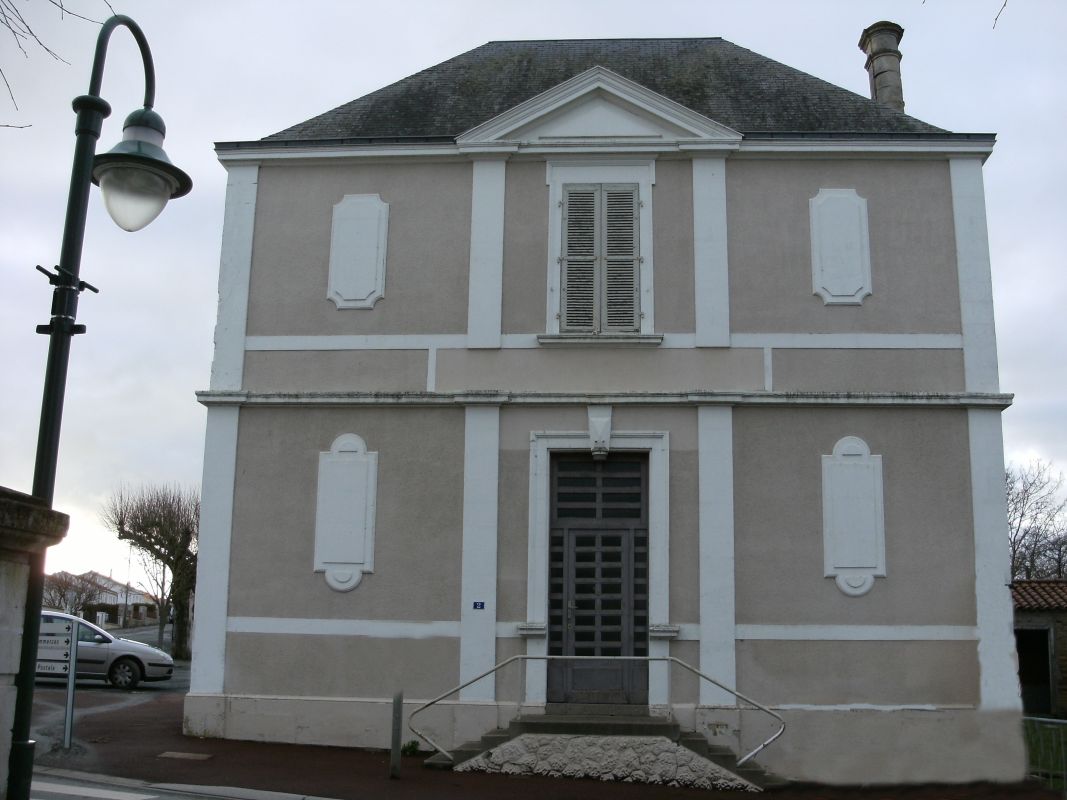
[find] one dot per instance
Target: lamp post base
(21, 770)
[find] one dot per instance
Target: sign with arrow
(57, 647)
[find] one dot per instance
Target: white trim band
(858, 633)
(850, 341)
(376, 628)
(671, 341)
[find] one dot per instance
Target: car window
(86, 634)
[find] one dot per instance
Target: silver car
(121, 662)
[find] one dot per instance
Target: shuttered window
(600, 263)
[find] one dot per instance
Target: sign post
(57, 648)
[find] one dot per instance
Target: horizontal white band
(407, 629)
(850, 341)
(376, 628)
(671, 341)
(858, 633)
(829, 399)
(793, 148)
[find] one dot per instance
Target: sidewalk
(145, 743)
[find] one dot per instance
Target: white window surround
(542, 445)
(560, 173)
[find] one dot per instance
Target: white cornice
(744, 148)
(695, 398)
(866, 147)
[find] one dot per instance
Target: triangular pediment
(599, 106)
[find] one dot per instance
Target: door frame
(542, 444)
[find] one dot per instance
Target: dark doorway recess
(598, 578)
(1032, 647)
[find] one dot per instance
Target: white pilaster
(715, 473)
(712, 286)
(998, 668)
(486, 279)
(213, 559)
(976, 286)
(659, 558)
(235, 266)
(477, 644)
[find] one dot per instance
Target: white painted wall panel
(345, 511)
(358, 241)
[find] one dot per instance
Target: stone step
(608, 725)
(698, 744)
(463, 752)
(595, 710)
(588, 725)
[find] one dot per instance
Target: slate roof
(1043, 595)
(750, 93)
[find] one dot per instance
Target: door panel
(598, 584)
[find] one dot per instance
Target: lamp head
(135, 176)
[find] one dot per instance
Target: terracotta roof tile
(1039, 595)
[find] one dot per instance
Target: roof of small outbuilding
(1039, 595)
(748, 92)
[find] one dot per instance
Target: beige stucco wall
(672, 246)
(525, 276)
(600, 370)
(336, 371)
(868, 370)
(428, 249)
(878, 673)
(419, 514)
(913, 262)
(339, 666)
(890, 747)
(778, 517)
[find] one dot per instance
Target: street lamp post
(136, 179)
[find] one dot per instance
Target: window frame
(639, 172)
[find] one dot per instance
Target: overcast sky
(241, 69)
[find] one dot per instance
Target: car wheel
(124, 674)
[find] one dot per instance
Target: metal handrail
(524, 657)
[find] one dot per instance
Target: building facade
(612, 348)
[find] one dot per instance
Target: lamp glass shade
(134, 195)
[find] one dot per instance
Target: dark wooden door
(598, 578)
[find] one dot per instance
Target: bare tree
(163, 522)
(159, 590)
(1037, 522)
(22, 32)
(70, 593)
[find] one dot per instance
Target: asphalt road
(149, 634)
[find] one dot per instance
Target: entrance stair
(599, 720)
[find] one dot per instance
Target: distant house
(1041, 643)
(131, 604)
(619, 349)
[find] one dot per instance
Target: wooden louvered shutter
(578, 299)
(621, 306)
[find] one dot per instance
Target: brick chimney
(879, 42)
